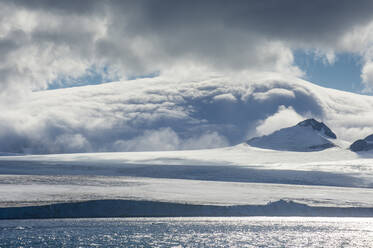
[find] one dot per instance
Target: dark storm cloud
(141, 37)
(289, 19)
(66, 7)
(234, 33)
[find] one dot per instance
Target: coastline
(134, 208)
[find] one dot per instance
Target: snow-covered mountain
(365, 144)
(308, 135)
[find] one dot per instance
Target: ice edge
(134, 208)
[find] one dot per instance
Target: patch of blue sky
(93, 76)
(149, 75)
(343, 74)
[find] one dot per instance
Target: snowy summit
(308, 135)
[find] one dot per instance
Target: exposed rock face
(369, 138)
(363, 144)
(308, 135)
(319, 126)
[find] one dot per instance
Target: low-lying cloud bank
(166, 113)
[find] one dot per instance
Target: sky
(58, 46)
(343, 74)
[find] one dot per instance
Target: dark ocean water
(189, 232)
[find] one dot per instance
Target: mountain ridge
(307, 135)
(365, 144)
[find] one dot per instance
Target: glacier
(242, 175)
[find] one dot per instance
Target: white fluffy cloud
(40, 47)
(284, 117)
(160, 114)
(367, 75)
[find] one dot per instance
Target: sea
(189, 232)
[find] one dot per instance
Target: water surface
(189, 232)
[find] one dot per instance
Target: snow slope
(308, 135)
(240, 175)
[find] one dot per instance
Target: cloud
(284, 117)
(225, 97)
(274, 93)
(47, 41)
(216, 66)
(164, 114)
(166, 139)
(367, 75)
(151, 140)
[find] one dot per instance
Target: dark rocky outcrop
(319, 126)
(369, 138)
(363, 144)
(133, 208)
